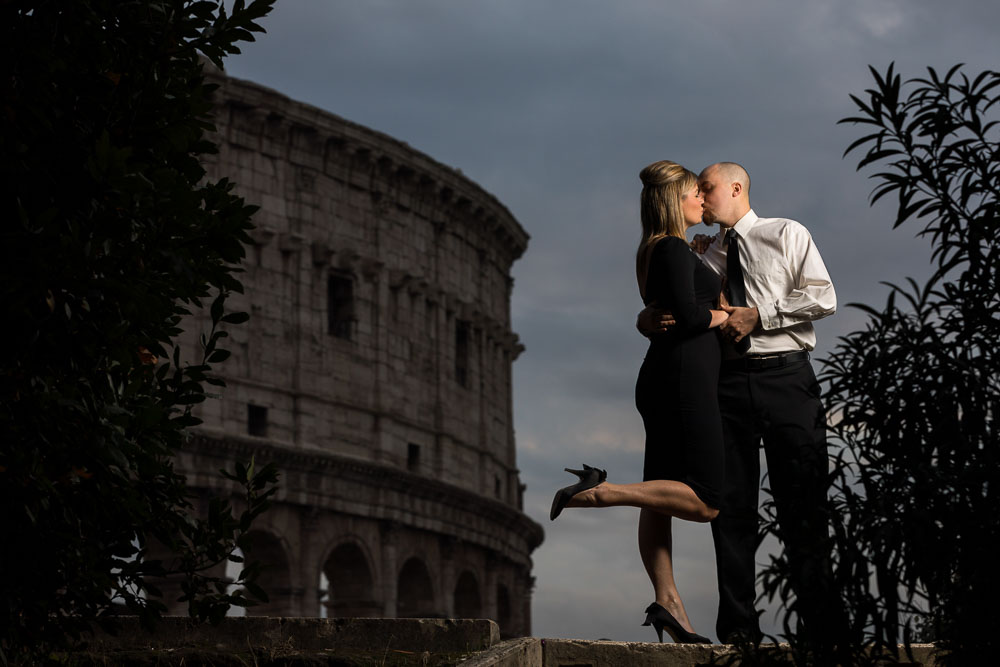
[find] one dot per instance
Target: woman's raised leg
(663, 496)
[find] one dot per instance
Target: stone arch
(468, 603)
(232, 572)
(504, 617)
(415, 591)
(275, 576)
(350, 585)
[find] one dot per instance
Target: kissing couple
(729, 321)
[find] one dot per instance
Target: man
(767, 393)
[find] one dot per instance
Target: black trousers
(780, 407)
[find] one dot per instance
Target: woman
(675, 394)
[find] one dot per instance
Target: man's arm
(701, 242)
(812, 296)
(653, 319)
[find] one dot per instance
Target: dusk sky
(554, 106)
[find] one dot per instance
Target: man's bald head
(726, 187)
(733, 173)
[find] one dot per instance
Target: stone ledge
(583, 653)
(283, 635)
(522, 652)
(580, 653)
(350, 642)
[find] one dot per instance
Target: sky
(554, 106)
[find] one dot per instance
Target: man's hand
(653, 320)
(740, 323)
(701, 242)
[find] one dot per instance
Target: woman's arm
(718, 317)
(672, 268)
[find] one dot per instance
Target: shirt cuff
(768, 316)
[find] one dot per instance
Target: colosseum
(375, 372)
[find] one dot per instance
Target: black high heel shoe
(661, 620)
(589, 478)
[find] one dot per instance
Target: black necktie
(736, 290)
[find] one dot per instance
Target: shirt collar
(744, 224)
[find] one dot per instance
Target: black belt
(760, 362)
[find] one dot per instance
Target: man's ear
(737, 189)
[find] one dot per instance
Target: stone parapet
(306, 634)
(583, 653)
(365, 641)
(521, 652)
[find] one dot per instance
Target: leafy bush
(111, 235)
(914, 396)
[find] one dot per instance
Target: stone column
(527, 589)
(446, 576)
(389, 576)
(310, 528)
(489, 580)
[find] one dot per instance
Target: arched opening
(503, 611)
(415, 593)
(275, 575)
(232, 572)
(467, 602)
(347, 587)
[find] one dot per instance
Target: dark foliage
(913, 397)
(110, 235)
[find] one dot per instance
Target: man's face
(718, 197)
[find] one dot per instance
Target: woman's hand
(719, 317)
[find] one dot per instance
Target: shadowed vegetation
(110, 237)
(913, 397)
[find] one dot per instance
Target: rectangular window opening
(412, 457)
(340, 306)
(462, 352)
(257, 420)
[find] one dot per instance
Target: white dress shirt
(785, 279)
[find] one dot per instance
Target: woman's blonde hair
(663, 185)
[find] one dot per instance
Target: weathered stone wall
(276, 641)
(375, 369)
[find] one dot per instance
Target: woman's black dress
(677, 389)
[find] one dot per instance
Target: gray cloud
(555, 107)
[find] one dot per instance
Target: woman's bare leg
(656, 551)
(659, 495)
(659, 501)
